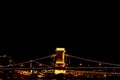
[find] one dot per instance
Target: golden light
(60, 71)
(60, 49)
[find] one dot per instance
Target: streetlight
(21, 65)
(99, 64)
(80, 64)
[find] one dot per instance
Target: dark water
(40, 79)
(110, 78)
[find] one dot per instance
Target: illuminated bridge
(60, 62)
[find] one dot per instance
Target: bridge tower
(60, 60)
(60, 57)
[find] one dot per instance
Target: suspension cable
(29, 61)
(94, 60)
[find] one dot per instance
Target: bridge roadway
(64, 68)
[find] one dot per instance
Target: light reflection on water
(52, 79)
(41, 79)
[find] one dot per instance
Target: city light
(81, 67)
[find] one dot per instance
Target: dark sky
(25, 47)
(31, 33)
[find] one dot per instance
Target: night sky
(89, 33)
(26, 47)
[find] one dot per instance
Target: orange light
(60, 71)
